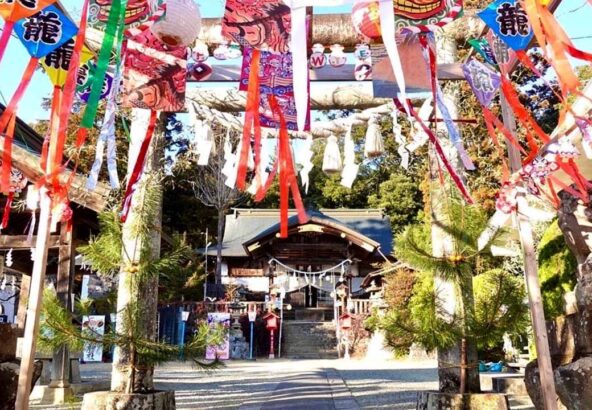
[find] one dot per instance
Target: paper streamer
(136, 173)
(300, 64)
(387, 24)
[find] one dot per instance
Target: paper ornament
(45, 31)
(400, 140)
(305, 161)
(508, 20)
(199, 72)
(221, 52)
(200, 52)
(318, 59)
(56, 63)
(350, 168)
(586, 130)
(374, 145)
(563, 148)
(136, 13)
(482, 46)
(259, 24)
(181, 24)
(484, 81)
(362, 51)
(14, 10)
(337, 58)
(86, 77)
(332, 157)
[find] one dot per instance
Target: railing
(222, 306)
(362, 306)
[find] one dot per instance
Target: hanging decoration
(332, 157)
(483, 81)
(155, 73)
(18, 182)
(12, 11)
(350, 168)
(305, 161)
(503, 54)
(481, 45)
(363, 64)
(318, 59)
(86, 79)
(585, 128)
(56, 63)
(508, 20)
(40, 33)
(137, 12)
(181, 24)
(337, 58)
(400, 140)
(258, 24)
(374, 145)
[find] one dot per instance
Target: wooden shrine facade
(331, 245)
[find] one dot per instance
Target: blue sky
(574, 15)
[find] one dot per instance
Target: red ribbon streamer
(251, 122)
(5, 37)
(288, 180)
(451, 171)
(138, 167)
(7, 208)
(7, 156)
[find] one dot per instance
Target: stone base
(56, 395)
(106, 400)
(452, 401)
(573, 384)
(9, 373)
(44, 394)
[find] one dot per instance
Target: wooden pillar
(533, 287)
(35, 300)
(128, 289)
(60, 374)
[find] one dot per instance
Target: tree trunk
(457, 297)
(219, 238)
(129, 373)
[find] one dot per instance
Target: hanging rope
(292, 270)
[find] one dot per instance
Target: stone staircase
(309, 340)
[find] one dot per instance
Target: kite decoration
(508, 20)
(14, 10)
(56, 63)
(482, 46)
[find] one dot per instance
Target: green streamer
(114, 25)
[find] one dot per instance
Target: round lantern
(337, 57)
(366, 18)
(318, 58)
(181, 24)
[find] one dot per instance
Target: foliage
(557, 270)
(495, 305)
(499, 307)
(62, 328)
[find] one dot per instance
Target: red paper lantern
(366, 19)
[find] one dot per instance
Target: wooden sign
(243, 272)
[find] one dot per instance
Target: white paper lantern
(374, 145)
(332, 158)
(180, 25)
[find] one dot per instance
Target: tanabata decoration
(86, 78)
(482, 46)
(18, 182)
(400, 140)
(508, 20)
(181, 24)
(503, 54)
(15, 10)
(154, 74)
(261, 24)
(56, 63)
(305, 160)
(40, 33)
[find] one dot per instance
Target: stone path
(292, 384)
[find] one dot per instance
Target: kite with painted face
(413, 16)
(261, 24)
(136, 12)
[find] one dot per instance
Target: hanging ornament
(13, 284)
(374, 145)
(586, 131)
(199, 72)
(181, 24)
(563, 148)
(200, 52)
(362, 51)
(508, 20)
(332, 157)
(234, 51)
(350, 168)
(318, 59)
(9, 260)
(3, 284)
(304, 159)
(221, 52)
(337, 58)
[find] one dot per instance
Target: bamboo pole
(531, 274)
(35, 301)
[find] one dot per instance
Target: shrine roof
(244, 225)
